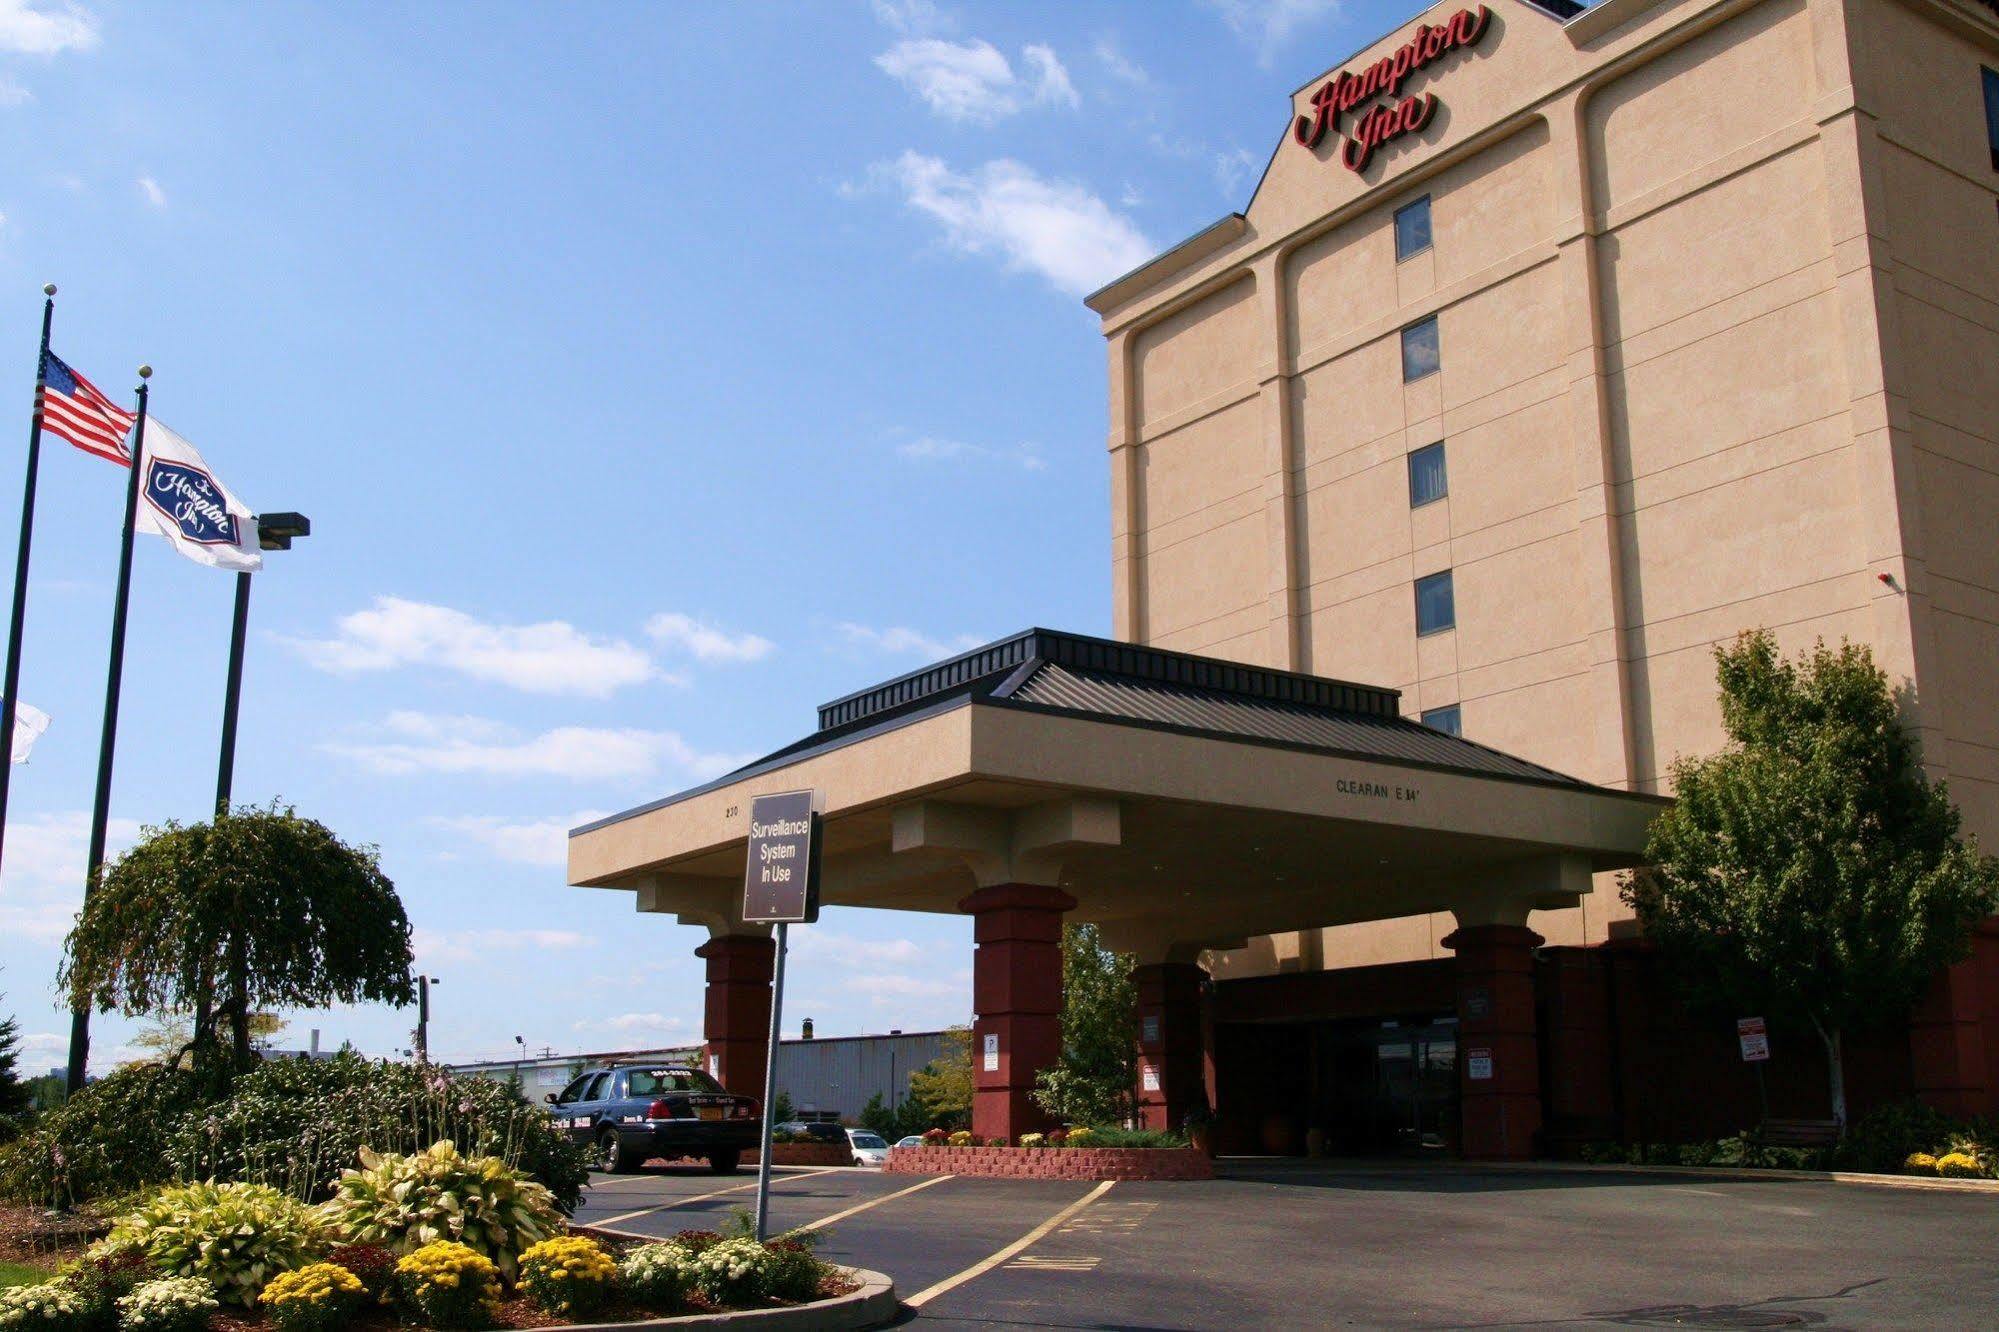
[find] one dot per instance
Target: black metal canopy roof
(1044, 670)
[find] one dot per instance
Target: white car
(868, 1148)
(913, 1140)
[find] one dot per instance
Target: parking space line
(984, 1265)
(872, 1202)
(669, 1205)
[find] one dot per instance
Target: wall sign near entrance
(1478, 1065)
(1384, 78)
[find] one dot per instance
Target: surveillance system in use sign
(781, 880)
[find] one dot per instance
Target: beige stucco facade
(1717, 299)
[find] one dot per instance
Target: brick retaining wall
(1053, 1162)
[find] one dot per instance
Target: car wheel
(612, 1158)
(725, 1162)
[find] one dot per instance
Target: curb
(1742, 1173)
(871, 1306)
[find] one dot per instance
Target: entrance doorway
(1387, 1087)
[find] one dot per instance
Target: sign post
(780, 887)
(1754, 1035)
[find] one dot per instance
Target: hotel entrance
(1387, 1088)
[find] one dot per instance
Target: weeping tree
(1810, 871)
(259, 910)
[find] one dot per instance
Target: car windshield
(868, 1140)
(653, 1081)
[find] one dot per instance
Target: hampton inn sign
(1384, 78)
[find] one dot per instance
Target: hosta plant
(322, 1297)
(405, 1202)
(49, 1307)
(167, 1304)
(444, 1284)
(569, 1275)
(234, 1236)
(657, 1276)
(733, 1271)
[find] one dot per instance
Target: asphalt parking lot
(1284, 1245)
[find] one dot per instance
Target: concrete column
(1017, 996)
(1172, 1051)
(736, 1018)
(1499, 1050)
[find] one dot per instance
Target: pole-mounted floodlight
(275, 531)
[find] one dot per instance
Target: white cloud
(911, 16)
(149, 189)
(447, 946)
(1056, 228)
(12, 93)
(899, 641)
(552, 657)
(413, 742)
(704, 641)
(29, 28)
(974, 81)
(541, 842)
(848, 950)
(1119, 65)
(1266, 25)
(1229, 166)
(629, 1030)
(41, 889)
(930, 448)
(890, 986)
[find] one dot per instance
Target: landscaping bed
(1078, 1153)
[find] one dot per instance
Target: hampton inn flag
(180, 499)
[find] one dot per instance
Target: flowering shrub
(1958, 1165)
(1919, 1163)
(107, 1272)
(1033, 1140)
(322, 1297)
(107, 1139)
(569, 1275)
(995, 1142)
(658, 1275)
(402, 1202)
(448, 1285)
(961, 1139)
(50, 1307)
(373, 1265)
(697, 1241)
(732, 1271)
(1081, 1137)
(936, 1137)
(234, 1236)
(167, 1304)
(796, 1273)
(1058, 1137)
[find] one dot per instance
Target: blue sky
(650, 374)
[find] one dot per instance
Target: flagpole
(11, 687)
(100, 817)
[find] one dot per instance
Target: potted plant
(1200, 1128)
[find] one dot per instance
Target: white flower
(168, 1302)
(47, 1305)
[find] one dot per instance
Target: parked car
(628, 1113)
(913, 1140)
(868, 1147)
(817, 1132)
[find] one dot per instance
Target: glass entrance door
(1389, 1087)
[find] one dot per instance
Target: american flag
(76, 409)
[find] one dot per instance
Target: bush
(697, 1242)
(321, 1297)
(937, 1137)
(403, 1202)
(1958, 1165)
(167, 1304)
(1080, 1137)
(961, 1138)
(1883, 1139)
(105, 1274)
(373, 1265)
(49, 1307)
(796, 1272)
(447, 1285)
(298, 1123)
(733, 1271)
(1124, 1137)
(569, 1275)
(234, 1236)
(1033, 1140)
(1919, 1163)
(657, 1275)
(108, 1139)
(995, 1142)
(1058, 1137)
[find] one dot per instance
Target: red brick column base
(1052, 1162)
(1499, 1051)
(1017, 994)
(736, 1017)
(1950, 1047)
(1170, 1048)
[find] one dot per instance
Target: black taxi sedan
(627, 1113)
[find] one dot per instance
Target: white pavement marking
(872, 1202)
(699, 1197)
(984, 1265)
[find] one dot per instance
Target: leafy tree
(1095, 1080)
(259, 909)
(1810, 870)
(943, 1087)
(878, 1118)
(168, 1037)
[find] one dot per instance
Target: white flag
(180, 499)
(29, 723)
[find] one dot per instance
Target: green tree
(876, 1117)
(782, 1111)
(259, 909)
(1810, 870)
(16, 1096)
(168, 1037)
(1095, 1080)
(943, 1087)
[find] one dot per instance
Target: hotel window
(1427, 481)
(1992, 112)
(1419, 350)
(1446, 720)
(1436, 610)
(1412, 228)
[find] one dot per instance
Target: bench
(1799, 1132)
